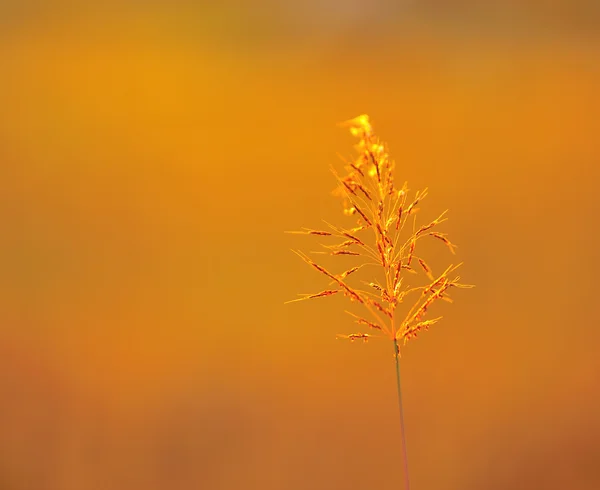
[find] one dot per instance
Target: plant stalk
(402, 427)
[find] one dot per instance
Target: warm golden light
(152, 153)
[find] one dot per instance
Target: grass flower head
(383, 234)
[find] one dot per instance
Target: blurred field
(152, 157)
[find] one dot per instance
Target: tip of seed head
(359, 125)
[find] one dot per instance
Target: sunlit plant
(384, 236)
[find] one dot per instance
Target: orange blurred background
(152, 155)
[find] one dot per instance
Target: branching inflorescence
(385, 236)
(382, 212)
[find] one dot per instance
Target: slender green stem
(402, 427)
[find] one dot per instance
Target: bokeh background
(152, 154)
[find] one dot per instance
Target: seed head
(378, 211)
